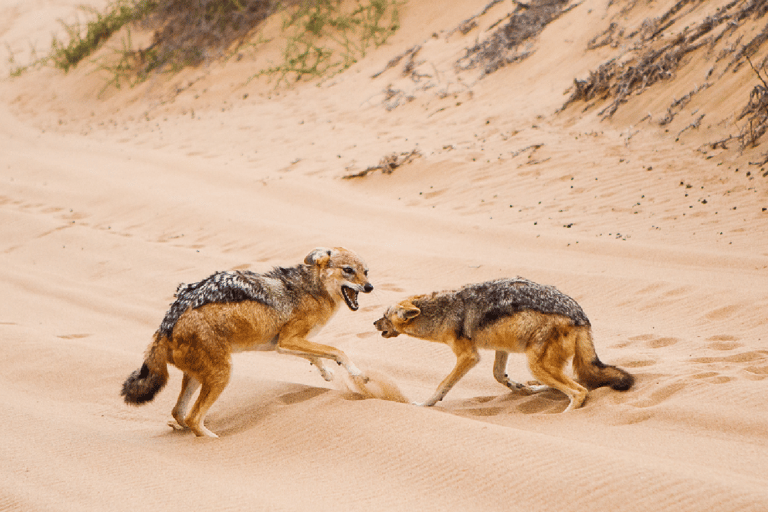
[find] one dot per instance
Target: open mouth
(350, 297)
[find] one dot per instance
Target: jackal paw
(204, 432)
(325, 373)
(514, 386)
(175, 425)
(356, 373)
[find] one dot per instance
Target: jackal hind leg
(212, 385)
(189, 385)
(547, 365)
(500, 374)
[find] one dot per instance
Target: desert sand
(108, 201)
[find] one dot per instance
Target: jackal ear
(320, 257)
(408, 311)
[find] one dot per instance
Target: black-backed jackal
(508, 315)
(236, 311)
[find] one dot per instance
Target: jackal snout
(397, 319)
(354, 276)
(385, 326)
(350, 294)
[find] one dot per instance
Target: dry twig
(387, 164)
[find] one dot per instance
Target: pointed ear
(408, 311)
(320, 257)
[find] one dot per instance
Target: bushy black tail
(142, 385)
(592, 373)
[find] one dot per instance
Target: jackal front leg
(300, 346)
(325, 372)
(466, 358)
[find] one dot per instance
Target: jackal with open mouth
(240, 310)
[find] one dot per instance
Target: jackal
(508, 315)
(236, 311)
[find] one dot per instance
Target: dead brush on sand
(387, 164)
(503, 46)
(756, 112)
(189, 33)
(658, 56)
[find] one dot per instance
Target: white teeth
(350, 297)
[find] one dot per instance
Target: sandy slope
(107, 204)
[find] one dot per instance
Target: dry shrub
(387, 164)
(756, 113)
(188, 33)
(503, 46)
(657, 59)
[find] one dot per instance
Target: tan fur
(204, 338)
(548, 340)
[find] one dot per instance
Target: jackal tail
(142, 385)
(592, 372)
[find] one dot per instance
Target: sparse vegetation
(756, 113)
(658, 55)
(658, 48)
(505, 45)
(189, 33)
(84, 42)
(321, 36)
(387, 164)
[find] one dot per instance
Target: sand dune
(107, 203)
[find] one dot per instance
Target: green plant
(321, 37)
(84, 42)
(15, 69)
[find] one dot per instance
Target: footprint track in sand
(638, 364)
(722, 337)
(712, 377)
(660, 394)
(723, 342)
(661, 342)
(757, 372)
(742, 357)
(654, 341)
(296, 397)
(549, 401)
(390, 287)
(743, 363)
(751, 364)
(716, 362)
(724, 312)
(724, 345)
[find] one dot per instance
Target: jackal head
(396, 319)
(343, 273)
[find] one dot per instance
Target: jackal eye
(348, 270)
